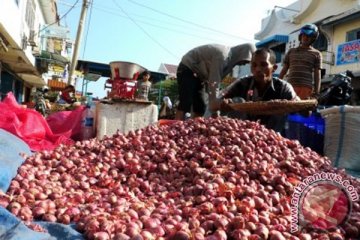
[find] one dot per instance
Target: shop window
(353, 35)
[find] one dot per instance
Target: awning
(346, 16)
(56, 85)
(93, 77)
(32, 79)
(92, 70)
(88, 67)
(274, 38)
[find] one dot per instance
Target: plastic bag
(29, 125)
(67, 122)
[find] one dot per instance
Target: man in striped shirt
(304, 64)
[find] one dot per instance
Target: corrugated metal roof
(274, 38)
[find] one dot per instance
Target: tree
(159, 90)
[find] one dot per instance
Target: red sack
(162, 122)
(30, 126)
(68, 122)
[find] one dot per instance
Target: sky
(151, 32)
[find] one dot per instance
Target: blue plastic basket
(309, 131)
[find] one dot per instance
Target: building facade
(339, 39)
(32, 45)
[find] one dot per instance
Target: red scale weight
(123, 82)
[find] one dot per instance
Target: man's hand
(227, 100)
(221, 104)
(225, 105)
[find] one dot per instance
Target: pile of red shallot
(216, 178)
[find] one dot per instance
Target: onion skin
(276, 235)
(180, 235)
(101, 236)
(121, 236)
(49, 218)
(336, 236)
(137, 237)
(262, 231)
(351, 231)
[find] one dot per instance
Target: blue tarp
(11, 228)
(10, 160)
(61, 231)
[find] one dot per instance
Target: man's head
(69, 88)
(308, 34)
(263, 64)
(241, 54)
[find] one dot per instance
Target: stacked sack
(342, 136)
